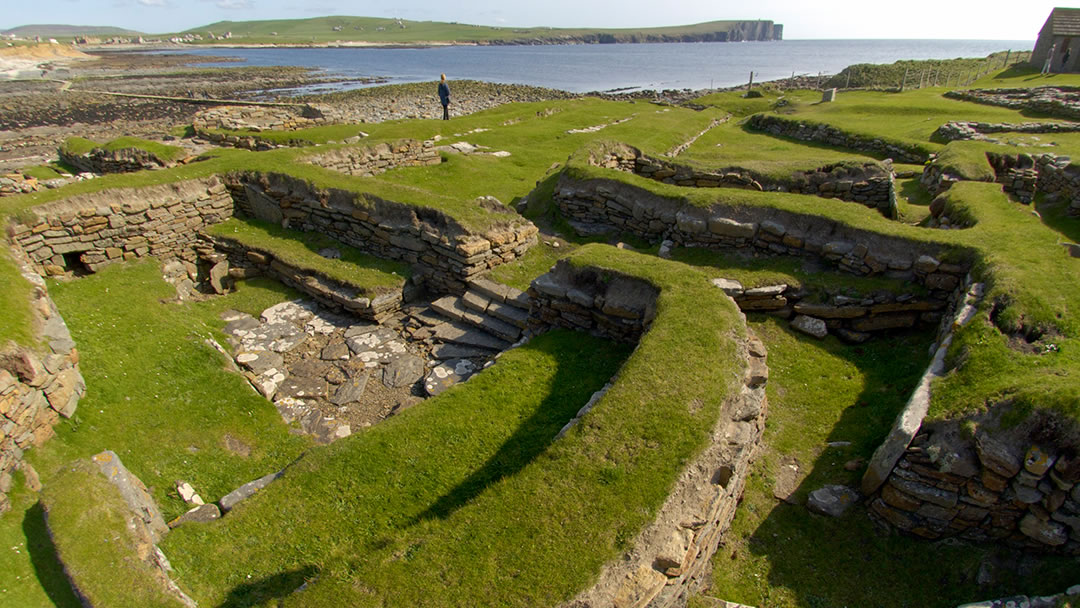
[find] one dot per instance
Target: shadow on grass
(258, 593)
(1055, 216)
(531, 438)
(847, 560)
(47, 566)
(915, 194)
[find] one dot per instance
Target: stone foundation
(114, 225)
(90, 231)
(610, 203)
(966, 131)
(1006, 485)
(615, 307)
(241, 261)
(826, 134)
(1052, 101)
(125, 160)
(255, 119)
(366, 161)
(851, 319)
(871, 185)
(445, 254)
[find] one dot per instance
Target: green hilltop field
(379, 30)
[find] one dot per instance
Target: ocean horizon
(582, 68)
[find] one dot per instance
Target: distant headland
(374, 31)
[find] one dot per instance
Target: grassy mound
(78, 146)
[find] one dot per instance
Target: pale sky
(802, 19)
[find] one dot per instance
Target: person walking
(1049, 58)
(444, 97)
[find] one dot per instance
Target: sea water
(608, 67)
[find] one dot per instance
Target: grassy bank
(822, 395)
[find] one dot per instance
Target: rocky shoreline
(79, 97)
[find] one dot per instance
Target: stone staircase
(489, 316)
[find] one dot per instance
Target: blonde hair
(444, 76)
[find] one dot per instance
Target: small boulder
(811, 326)
(832, 500)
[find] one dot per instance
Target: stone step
(460, 333)
(511, 314)
(456, 309)
(497, 292)
(443, 352)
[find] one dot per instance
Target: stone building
(1062, 32)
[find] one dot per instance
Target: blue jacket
(444, 93)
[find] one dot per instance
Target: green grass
(439, 506)
(733, 145)
(367, 273)
(945, 72)
(166, 153)
(146, 367)
(782, 556)
(88, 519)
(1005, 244)
(15, 293)
(41, 172)
(755, 271)
(33, 574)
(389, 31)
(908, 119)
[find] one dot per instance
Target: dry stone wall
(255, 119)
(242, 261)
(767, 230)
(825, 134)
(966, 131)
(1015, 484)
(851, 319)
(37, 387)
(871, 184)
(1022, 175)
(1051, 101)
(113, 225)
(445, 254)
(1008, 485)
(366, 161)
(615, 307)
(124, 160)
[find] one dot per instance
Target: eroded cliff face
(738, 31)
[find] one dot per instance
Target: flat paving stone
(351, 390)
(261, 361)
(296, 312)
(335, 351)
(299, 388)
(447, 374)
(403, 371)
